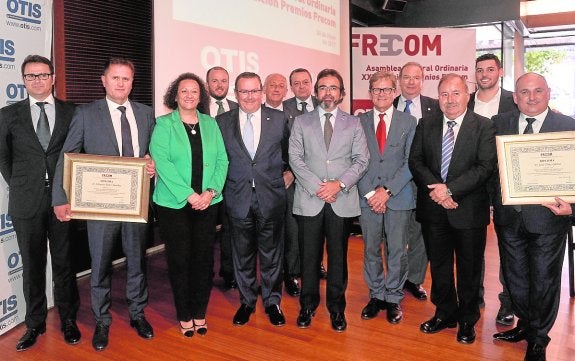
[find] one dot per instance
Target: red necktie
(380, 133)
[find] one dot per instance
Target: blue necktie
(248, 135)
(407, 106)
(447, 149)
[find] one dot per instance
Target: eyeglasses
(32, 77)
(325, 88)
(252, 92)
(377, 91)
(301, 83)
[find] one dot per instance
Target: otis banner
(25, 28)
(439, 50)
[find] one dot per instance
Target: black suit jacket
(536, 218)
(23, 162)
(506, 102)
(266, 169)
(429, 106)
(291, 110)
(472, 163)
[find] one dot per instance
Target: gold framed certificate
(536, 168)
(107, 188)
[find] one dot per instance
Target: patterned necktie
(43, 127)
(380, 133)
(248, 135)
(327, 130)
(407, 109)
(447, 149)
(220, 107)
(303, 107)
(529, 127)
(127, 148)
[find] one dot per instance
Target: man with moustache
(387, 198)
(32, 133)
(452, 158)
(490, 99)
(328, 155)
(532, 237)
(411, 101)
(112, 126)
(275, 89)
(256, 140)
(217, 79)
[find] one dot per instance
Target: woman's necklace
(192, 127)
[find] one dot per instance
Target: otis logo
(7, 50)
(8, 307)
(24, 11)
(231, 59)
(6, 226)
(394, 44)
(15, 92)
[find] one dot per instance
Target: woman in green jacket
(191, 164)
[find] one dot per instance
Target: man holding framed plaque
(532, 237)
(111, 127)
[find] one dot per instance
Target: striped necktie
(447, 149)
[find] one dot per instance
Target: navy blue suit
(255, 200)
(531, 245)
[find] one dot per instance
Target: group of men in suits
(35, 133)
(304, 159)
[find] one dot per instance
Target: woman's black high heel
(188, 332)
(201, 329)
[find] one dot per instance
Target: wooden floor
(364, 340)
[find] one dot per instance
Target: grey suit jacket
(266, 169)
(390, 169)
(536, 218)
(23, 162)
(91, 132)
(311, 163)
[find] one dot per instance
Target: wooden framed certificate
(107, 188)
(536, 168)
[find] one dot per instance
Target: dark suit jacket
(23, 162)
(231, 104)
(429, 106)
(266, 169)
(291, 110)
(473, 161)
(536, 218)
(91, 132)
(506, 102)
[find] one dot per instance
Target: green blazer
(170, 150)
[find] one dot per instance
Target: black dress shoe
(535, 352)
(436, 324)
(416, 290)
(71, 332)
(100, 338)
(322, 272)
(504, 317)
(243, 314)
(292, 287)
(276, 315)
(466, 333)
(394, 313)
(516, 334)
(304, 318)
(143, 327)
(372, 308)
(29, 338)
(338, 322)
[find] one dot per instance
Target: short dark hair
(215, 68)
(118, 61)
(172, 92)
(330, 72)
(247, 75)
(37, 59)
(299, 70)
(488, 56)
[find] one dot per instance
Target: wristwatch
(213, 192)
(341, 185)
